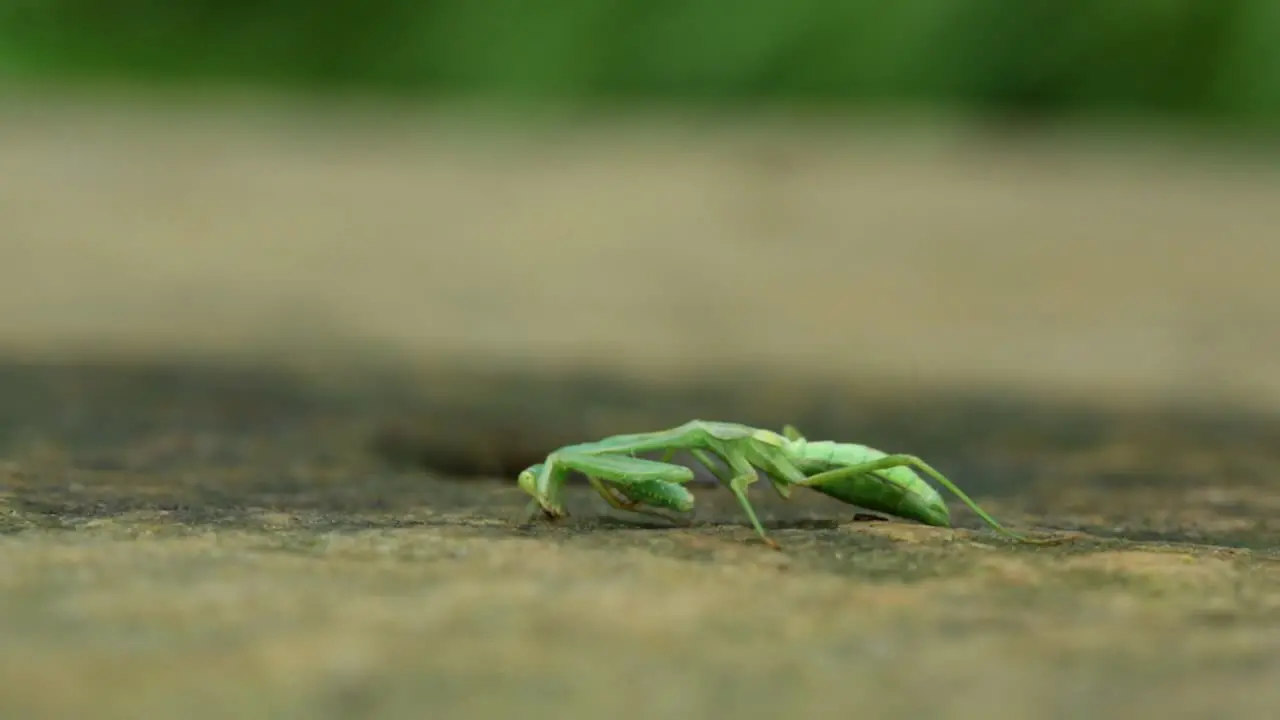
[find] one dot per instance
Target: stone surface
(197, 543)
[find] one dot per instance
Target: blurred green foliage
(1208, 59)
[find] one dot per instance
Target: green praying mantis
(852, 473)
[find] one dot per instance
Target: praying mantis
(849, 472)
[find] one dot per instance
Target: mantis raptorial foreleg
(618, 500)
(911, 461)
(638, 480)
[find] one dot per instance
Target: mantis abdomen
(907, 498)
(896, 490)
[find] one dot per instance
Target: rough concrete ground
(226, 545)
(209, 540)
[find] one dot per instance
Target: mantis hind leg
(911, 461)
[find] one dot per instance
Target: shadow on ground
(350, 551)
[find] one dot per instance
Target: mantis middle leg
(787, 474)
(744, 474)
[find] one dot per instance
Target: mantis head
(528, 479)
(528, 482)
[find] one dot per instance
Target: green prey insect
(852, 473)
